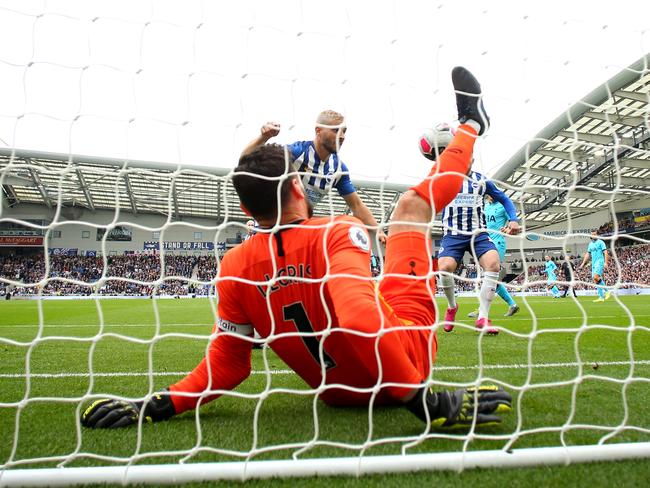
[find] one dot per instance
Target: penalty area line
(586, 364)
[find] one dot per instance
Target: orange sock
(440, 188)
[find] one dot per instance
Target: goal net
(121, 125)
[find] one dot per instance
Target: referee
(567, 269)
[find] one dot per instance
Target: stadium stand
(633, 271)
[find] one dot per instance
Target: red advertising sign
(21, 241)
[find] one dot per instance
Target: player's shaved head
(330, 133)
(260, 195)
(329, 118)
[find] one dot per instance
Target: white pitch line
(289, 371)
(209, 325)
(24, 326)
(122, 374)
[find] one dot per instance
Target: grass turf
(123, 339)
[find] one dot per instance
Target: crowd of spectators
(131, 275)
(629, 267)
(206, 268)
(625, 224)
(143, 275)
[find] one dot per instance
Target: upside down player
(366, 340)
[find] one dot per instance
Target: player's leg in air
(408, 257)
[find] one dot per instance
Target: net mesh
(189, 89)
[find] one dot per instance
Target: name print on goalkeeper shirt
(290, 271)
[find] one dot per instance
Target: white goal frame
(350, 466)
(129, 470)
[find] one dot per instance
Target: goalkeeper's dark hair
(260, 195)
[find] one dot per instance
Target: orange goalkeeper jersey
(307, 283)
(308, 290)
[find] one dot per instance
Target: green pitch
(545, 348)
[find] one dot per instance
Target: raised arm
(499, 196)
(268, 130)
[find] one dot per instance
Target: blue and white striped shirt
(464, 214)
(320, 177)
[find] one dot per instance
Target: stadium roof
(596, 152)
(144, 187)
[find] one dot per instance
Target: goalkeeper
(308, 288)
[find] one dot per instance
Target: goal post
(350, 466)
(122, 128)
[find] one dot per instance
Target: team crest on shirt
(359, 238)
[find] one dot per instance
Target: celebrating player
(597, 252)
(319, 165)
(307, 287)
(498, 219)
(549, 269)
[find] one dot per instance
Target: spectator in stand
(250, 229)
(79, 275)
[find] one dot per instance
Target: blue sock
(502, 291)
(601, 288)
(555, 291)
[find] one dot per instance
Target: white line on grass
(23, 326)
(289, 371)
(121, 374)
(208, 325)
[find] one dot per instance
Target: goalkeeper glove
(449, 410)
(108, 413)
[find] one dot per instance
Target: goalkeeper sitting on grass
(307, 287)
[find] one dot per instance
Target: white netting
(162, 97)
